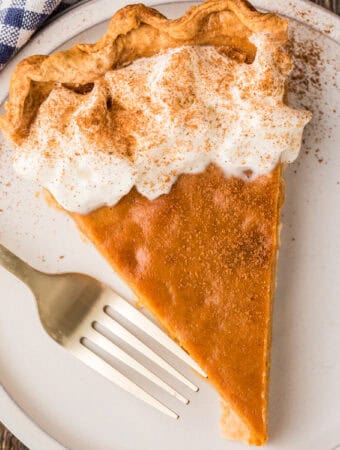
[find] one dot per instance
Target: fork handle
(16, 266)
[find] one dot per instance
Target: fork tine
(130, 313)
(98, 365)
(118, 330)
(105, 344)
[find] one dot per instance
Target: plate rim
(11, 414)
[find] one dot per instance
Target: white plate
(46, 392)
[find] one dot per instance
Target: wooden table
(7, 440)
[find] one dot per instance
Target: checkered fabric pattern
(19, 19)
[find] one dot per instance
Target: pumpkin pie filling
(165, 142)
(202, 259)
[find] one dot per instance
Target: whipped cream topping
(145, 124)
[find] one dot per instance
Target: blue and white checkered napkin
(19, 19)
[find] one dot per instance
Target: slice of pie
(165, 142)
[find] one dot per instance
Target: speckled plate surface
(51, 401)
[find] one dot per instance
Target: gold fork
(70, 307)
